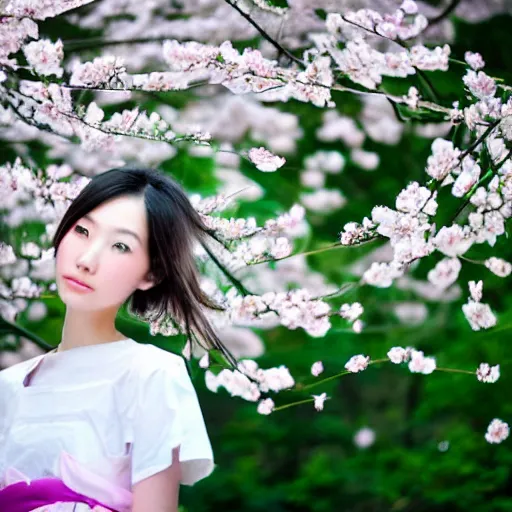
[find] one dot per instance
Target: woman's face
(107, 249)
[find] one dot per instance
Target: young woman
(103, 422)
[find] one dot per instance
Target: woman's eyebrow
(118, 230)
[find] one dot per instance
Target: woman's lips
(77, 285)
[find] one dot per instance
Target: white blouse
(112, 411)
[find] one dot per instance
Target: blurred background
(387, 439)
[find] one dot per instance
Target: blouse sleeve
(167, 414)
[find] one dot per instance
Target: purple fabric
(24, 497)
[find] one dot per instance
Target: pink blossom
(42, 9)
(497, 431)
(312, 178)
(13, 34)
(331, 162)
(317, 368)
(265, 160)
(360, 62)
(353, 232)
(475, 290)
(351, 312)
(357, 326)
(498, 266)
(275, 379)
(481, 85)
(411, 312)
(102, 71)
(189, 55)
(479, 315)
(254, 61)
(338, 127)
(319, 401)
(475, 60)
(398, 355)
(409, 7)
(467, 178)
(7, 256)
(444, 159)
(421, 364)
(412, 98)
(45, 57)
(266, 406)
(367, 160)
(487, 373)
(364, 437)
(357, 363)
(381, 274)
(323, 200)
(445, 273)
(430, 60)
(414, 199)
(454, 240)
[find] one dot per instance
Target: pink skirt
(46, 495)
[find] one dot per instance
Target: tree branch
(272, 41)
(444, 14)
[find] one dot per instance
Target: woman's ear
(148, 282)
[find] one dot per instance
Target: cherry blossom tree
(220, 81)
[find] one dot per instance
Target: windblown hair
(174, 226)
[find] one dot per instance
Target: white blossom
(475, 290)
(467, 178)
(454, 240)
(498, 266)
(351, 312)
(319, 401)
(381, 274)
(444, 159)
(364, 437)
(497, 431)
(398, 355)
(7, 255)
(487, 373)
(421, 364)
(45, 57)
(481, 85)
(479, 315)
(357, 363)
(266, 406)
(475, 60)
(264, 160)
(317, 368)
(445, 273)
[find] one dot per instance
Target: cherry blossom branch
(336, 245)
(484, 374)
(480, 139)
(265, 35)
(445, 13)
(300, 387)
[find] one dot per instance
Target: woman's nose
(89, 259)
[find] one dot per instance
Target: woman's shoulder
(154, 366)
(150, 358)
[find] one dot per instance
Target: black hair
(173, 225)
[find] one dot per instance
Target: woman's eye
(79, 229)
(124, 248)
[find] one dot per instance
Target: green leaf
(321, 13)
(283, 4)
